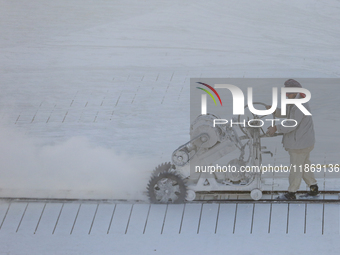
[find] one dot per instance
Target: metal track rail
(326, 197)
(268, 201)
(268, 197)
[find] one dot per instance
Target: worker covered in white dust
(299, 141)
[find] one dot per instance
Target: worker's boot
(313, 192)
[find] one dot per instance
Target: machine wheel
(191, 195)
(256, 194)
(166, 187)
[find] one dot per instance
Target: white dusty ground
(90, 228)
(95, 94)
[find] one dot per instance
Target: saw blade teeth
(162, 168)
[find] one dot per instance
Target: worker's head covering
(291, 83)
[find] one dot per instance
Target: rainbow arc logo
(209, 93)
